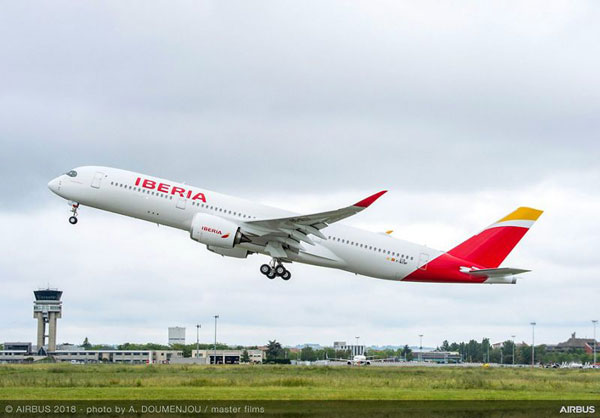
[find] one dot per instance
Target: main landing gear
(73, 218)
(275, 268)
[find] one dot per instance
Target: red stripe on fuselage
(445, 269)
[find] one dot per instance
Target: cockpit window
(72, 173)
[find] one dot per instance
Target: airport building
(81, 356)
(355, 350)
(176, 335)
(227, 356)
(442, 357)
(572, 344)
(117, 356)
(47, 308)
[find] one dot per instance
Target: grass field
(80, 382)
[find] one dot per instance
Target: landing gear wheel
(280, 270)
(74, 207)
(286, 275)
(271, 274)
(265, 269)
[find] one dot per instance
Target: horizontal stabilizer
(503, 271)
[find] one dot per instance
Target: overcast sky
(462, 110)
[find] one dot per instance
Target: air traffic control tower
(47, 308)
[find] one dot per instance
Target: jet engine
(215, 231)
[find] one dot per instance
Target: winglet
(365, 203)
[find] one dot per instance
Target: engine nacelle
(215, 231)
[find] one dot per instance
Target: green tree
(445, 346)
(523, 354)
(495, 355)
(507, 348)
(473, 352)
(86, 344)
(308, 354)
(245, 357)
(274, 350)
(407, 353)
(485, 350)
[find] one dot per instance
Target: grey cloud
(462, 110)
(388, 95)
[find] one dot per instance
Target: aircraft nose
(54, 185)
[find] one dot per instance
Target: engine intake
(215, 231)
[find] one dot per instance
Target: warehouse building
(227, 356)
(443, 357)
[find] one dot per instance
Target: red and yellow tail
(492, 245)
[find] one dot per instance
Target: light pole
(513, 341)
(198, 326)
(215, 348)
(533, 324)
(420, 347)
(595, 321)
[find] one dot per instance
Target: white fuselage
(346, 248)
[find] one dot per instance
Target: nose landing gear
(73, 218)
(275, 268)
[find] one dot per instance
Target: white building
(96, 356)
(176, 335)
(355, 350)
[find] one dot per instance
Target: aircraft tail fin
(492, 245)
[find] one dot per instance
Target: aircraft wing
(287, 233)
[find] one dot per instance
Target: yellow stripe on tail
(523, 214)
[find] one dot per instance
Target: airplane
(235, 227)
(362, 360)
(358, 360)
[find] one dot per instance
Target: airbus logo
(578, 409)
(168, 189)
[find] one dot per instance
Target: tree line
(472, 352)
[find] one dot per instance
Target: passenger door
(97, 180)
(423, 260)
